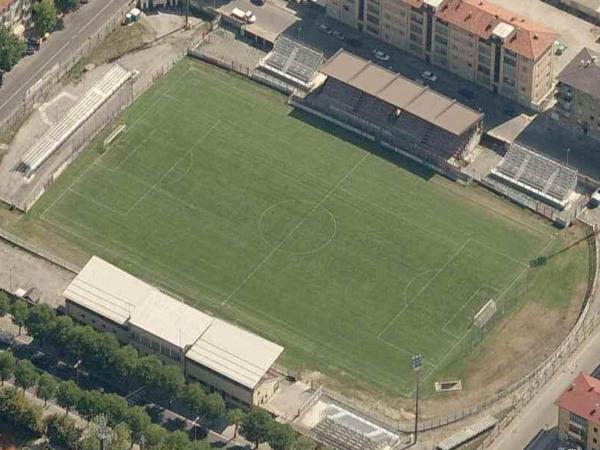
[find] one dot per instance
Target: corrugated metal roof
(238, 354)
(231, 351)
(401, 92)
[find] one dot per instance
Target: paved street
(78, 27)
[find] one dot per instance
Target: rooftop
(401, 92)
(583, 73)
(582, 398)
(229, 350)
(481, 18)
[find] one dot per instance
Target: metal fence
(39, 91)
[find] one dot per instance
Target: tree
(7, 366)
(67, 395)
(155, 435)
(281, 436)
(139, 422)
(11, 51)
(170, 383)
(214, 405)
(66, 5)
(124, 362)
(25, 375)
(20, 313)
(44, 16)
(194, 395)
(61, 430)
(256, 426)
(46, 387)
(148, 371)
(4, 300)
(40, 320)
(235, 417)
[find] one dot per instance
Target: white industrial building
(223, 357)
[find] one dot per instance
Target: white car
(429, 75)
(245, 16)
(250, 17)
(381, 56)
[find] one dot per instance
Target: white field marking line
(120, 255)
(351, 365)
(494, 210)
(498, 252)
(163, 176)
(131, 153)
(97, 203)
(416, 277)
(403, 350)
(438, 271)
(293, 231)
(467, 302)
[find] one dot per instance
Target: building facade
(579, 413)
(151, 4)
(221, 356)
(578, 94)
(480, 42)
(16, 14)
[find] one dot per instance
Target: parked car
(325, 29)
(339, 35)
(381, 56)
(258, 2)
(244, 16)
(429, 76)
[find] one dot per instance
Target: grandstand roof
(537, 173)
(119, 296)
(401, 92)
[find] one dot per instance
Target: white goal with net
(485, 314)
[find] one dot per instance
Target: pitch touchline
(291, 233)
(454, 255)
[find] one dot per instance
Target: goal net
(485, 314)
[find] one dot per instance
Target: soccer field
(219, 192)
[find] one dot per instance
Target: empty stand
(293, 61)
(76, 116)
(537, 173)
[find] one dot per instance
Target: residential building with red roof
(481, 42)
(579, 413)
(15, 14)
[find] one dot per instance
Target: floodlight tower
(417, 362)
(103, 432)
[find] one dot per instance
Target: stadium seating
(76, 116)
(343, 429)
(538, 173)
(293, 60)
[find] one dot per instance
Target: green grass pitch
(220, 192)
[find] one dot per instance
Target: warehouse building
(223, 357)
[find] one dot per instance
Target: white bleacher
(343, 429)
(77, 115)
(293, 61)
(537, 174)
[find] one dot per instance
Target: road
(79, 26)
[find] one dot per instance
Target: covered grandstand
(77, 115)
(398, 113)
(293, 62)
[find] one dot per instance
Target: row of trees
(102, 354)
(45, 19)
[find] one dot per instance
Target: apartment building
(221, 356)
(16, 14)
(579, 413)
(481, 42)
(578, 94)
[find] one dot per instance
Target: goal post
(485, 314)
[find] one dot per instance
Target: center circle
(297, 226)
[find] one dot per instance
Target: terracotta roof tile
(582, 398)
(480, 18)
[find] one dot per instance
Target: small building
(16, 14)
(579, 413)
(221, 356)
(578, 94)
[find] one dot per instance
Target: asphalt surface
(79, 26)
